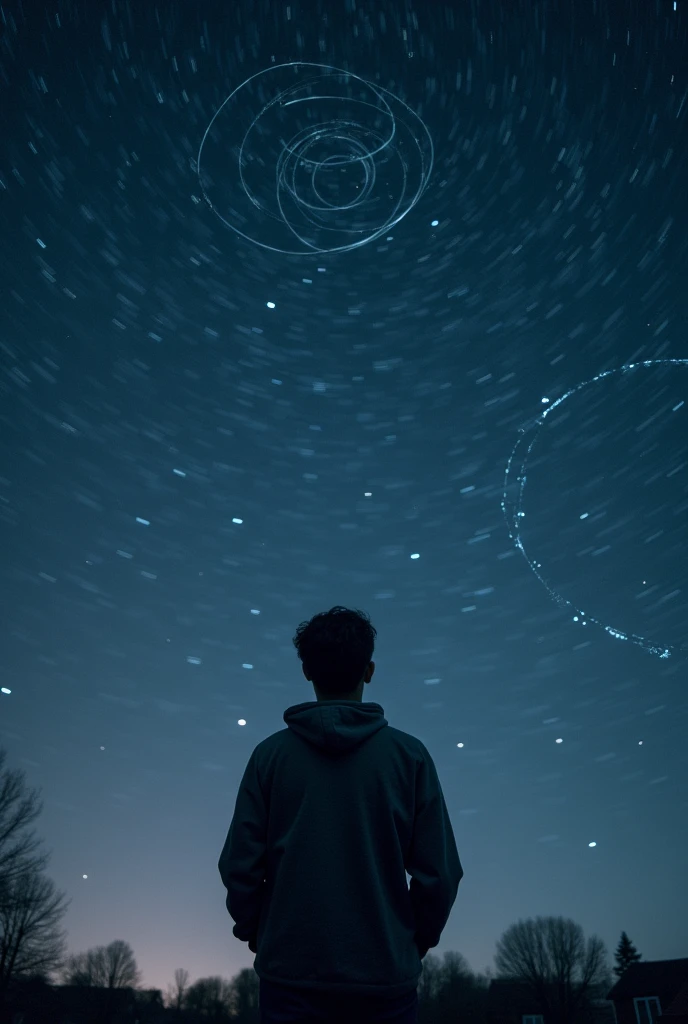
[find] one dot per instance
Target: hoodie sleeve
(243, 858)
(433, 861)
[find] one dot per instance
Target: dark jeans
(280, 1004)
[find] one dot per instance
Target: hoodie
(331, 814)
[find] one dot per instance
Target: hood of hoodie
(335, 726)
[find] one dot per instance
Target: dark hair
(335, 648)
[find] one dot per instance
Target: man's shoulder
(407, 740)
(390, 734)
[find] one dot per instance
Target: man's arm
(243, 858)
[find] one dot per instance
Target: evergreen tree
(625, 955)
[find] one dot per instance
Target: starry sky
(240, 389)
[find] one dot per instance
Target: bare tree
(177, 993)
(431, 980)
(212, 997)
(31, 942)
(30, 907)
(463, 993)
(450, 990)
(245, 995)
(112, 966)
(18, 809)
(551, 957)
(79, 970)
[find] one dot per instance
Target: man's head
(336, 648)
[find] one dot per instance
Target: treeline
(40, 983)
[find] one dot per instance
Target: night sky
(235, 394)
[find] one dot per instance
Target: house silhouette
(648, 992)
(651, 991)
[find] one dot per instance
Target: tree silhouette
(177, 993)
(625, 955)
(449, 990)
(31, 941)
(112, 966)
(431, 981)
(245, 991)
(18, 809)
(212, 998)
(549, 955)
(31, 908)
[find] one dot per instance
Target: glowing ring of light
(514, 514)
